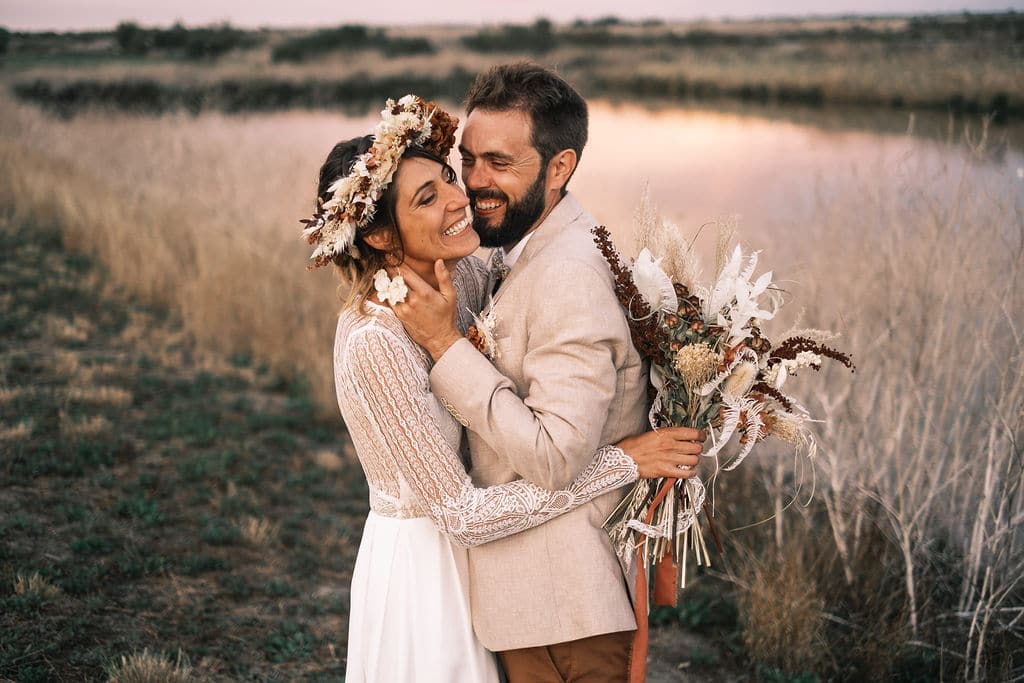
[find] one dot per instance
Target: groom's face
(503, 174)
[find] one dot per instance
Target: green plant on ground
(291, 642)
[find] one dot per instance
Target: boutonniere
(388, 290)
(481, 333)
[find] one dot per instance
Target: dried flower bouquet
(712, 369)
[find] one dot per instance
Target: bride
(386, 203)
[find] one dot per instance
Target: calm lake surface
(769, 173)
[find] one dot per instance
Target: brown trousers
(598, 659)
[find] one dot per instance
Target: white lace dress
(409, 619)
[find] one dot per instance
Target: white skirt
(409, 620)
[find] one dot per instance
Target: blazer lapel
(565, 213)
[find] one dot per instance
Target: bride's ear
(381, 240)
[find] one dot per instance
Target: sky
(90, 14)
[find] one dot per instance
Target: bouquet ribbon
(665, 594)
(666, 574)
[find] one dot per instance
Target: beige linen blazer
(566, 379)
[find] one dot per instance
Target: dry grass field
(203, 408)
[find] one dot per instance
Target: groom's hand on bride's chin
(669, 452)
(428, 314)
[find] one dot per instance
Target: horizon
(75, 15)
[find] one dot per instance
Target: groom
(565, 379)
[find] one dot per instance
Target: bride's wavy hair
(357, 273)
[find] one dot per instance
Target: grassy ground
(156, 499)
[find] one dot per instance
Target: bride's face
(432, 214)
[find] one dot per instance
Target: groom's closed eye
(495, 159)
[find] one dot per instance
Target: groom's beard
(519, 216)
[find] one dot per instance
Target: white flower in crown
(388, 290)
(408, 101)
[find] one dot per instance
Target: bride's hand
(428, 314)
(669, 452)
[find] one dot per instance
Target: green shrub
(235, 586)
(219, 531)
(199, 564)
(138, 562)
(174, 38)
(196, 43)
(141, 509)
(132, 39)
(210, 43)
(290, 643)
(402, 47)
(147, 96)
(212, 467)
(537, 38)
(279, 588)
(93, 545)
(347, 37)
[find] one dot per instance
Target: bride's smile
(433, 216)
(457, 229)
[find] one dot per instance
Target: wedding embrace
(497, 409)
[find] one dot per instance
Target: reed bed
(197, 216)
(914, 531)
(910, 549)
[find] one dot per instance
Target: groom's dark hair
(558, 113)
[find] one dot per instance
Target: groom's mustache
(474, 195)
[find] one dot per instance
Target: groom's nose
(476, 176)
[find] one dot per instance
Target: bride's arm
(384, 374)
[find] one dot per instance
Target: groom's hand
(428, 314)
(669, 452)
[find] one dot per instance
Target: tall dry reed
(198, 215)
(919, 491)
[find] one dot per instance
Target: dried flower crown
(407, 122)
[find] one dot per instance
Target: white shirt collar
(512, 255)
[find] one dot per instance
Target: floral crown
(353, 202)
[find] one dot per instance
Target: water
(768, 173)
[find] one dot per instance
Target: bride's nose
(458, 200)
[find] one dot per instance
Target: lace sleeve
(386, 376)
